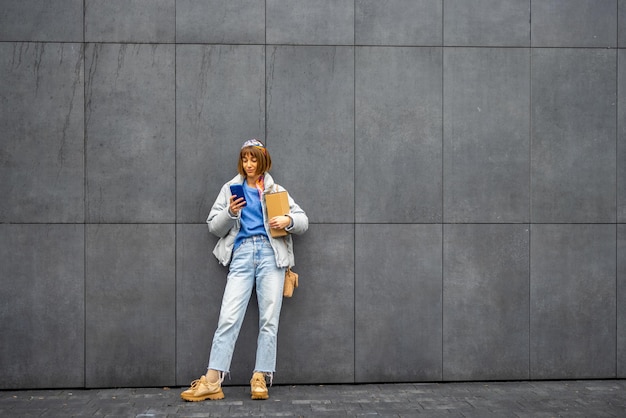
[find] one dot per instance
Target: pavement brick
(550, 399)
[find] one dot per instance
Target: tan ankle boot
(207, 387)
(258, 387)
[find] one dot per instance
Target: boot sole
(260, 396)
(211, 396)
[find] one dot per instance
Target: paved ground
(587, 398)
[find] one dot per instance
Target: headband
(254, 143)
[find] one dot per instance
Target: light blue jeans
(253, 265)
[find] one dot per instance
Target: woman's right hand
(236, 205)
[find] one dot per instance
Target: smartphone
(237, 191)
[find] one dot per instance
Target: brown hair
(262, 156)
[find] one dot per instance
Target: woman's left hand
(280, 222)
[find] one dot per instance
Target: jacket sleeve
(300, 220)
(219, 219)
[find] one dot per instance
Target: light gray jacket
(227, 227)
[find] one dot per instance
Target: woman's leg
(234, 304)
(269, 288)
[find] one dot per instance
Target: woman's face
(249, 165)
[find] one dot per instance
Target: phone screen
(237, 191)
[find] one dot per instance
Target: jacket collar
(268, 182)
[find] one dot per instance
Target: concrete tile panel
(572, 301)
(130, 128)
(486, 23)
(621, 136)
(310, 127)
(312, 22)
(41, 154)
(573, 135)
(574, 23)
(486, 135)
(316, 337)
(130, 305)
(398, 135)
(398, 299)
(398, 22)
(42, 306)
(485, 302)
(220, 22)
(130, 21)
(199, 290)
(41, 21)
(621, 301)
(220, 102)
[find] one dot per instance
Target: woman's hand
(280, 222)
(236, 205)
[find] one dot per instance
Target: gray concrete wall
(463, 166)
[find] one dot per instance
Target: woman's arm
(220, 220)
(300, 222)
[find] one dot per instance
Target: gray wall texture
(463, 165)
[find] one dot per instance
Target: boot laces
(195, 384)
(258, 382)
(263, 379)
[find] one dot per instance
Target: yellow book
(277, 205)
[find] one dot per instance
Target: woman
(257, 260)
